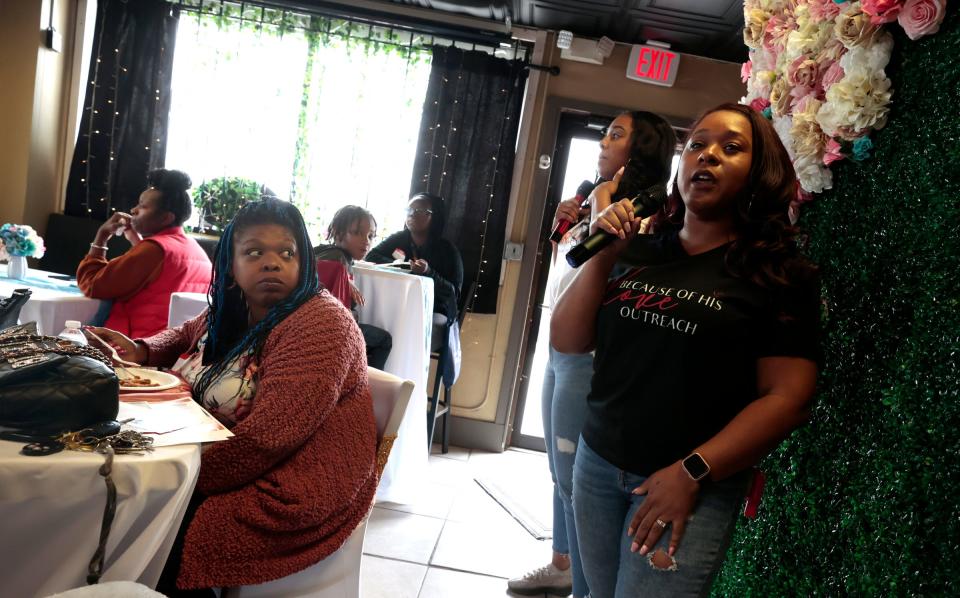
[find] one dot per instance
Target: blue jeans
(603, 505)
(565, 388)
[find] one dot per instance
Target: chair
(73, 235)
(338, 575)
(334, 277)
(437, 408)
(111, 589)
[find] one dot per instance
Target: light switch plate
(513, 252)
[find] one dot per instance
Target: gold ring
(661, 523)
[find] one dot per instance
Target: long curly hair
(652, 144)
(228, 334)
(766, 249)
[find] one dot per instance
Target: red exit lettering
(654, 64)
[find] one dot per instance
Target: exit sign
(651, 64)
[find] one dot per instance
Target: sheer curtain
(324, 112)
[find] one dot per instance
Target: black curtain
(123, 128)
(465, 153)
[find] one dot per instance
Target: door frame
(571, 125)
(525, 299)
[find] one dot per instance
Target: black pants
(379, 342)
(168, 578)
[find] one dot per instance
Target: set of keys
(96, 438)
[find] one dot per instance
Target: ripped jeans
(565, 388)
(603, 505)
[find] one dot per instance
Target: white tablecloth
(51, 510)
(401, 304)
(52, 301)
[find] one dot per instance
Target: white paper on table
(177, 421)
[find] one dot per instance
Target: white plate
(164, 380)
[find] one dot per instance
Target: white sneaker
(547, 579)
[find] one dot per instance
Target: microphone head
(585, 188)
(656, 193)
(649, 200)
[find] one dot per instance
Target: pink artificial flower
(745, 70)
(760, 104)
(831, 74)
(823, 10)
(803, 196)
(881, 11)
(775, 34)
(922, 17)
(831, 152)
(801, 97)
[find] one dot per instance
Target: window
(322, 111)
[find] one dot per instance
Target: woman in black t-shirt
(706, 353)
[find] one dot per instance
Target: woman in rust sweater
(284, 367)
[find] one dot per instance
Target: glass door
(575, 160)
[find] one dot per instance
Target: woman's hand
(106, 230)
(126, 348)
(671, 496)
(419, 266)
(569, 210)
(357, 295)
(617, 219)
(132, 236)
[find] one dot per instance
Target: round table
(51, 509)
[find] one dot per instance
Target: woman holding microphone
(650, 141)
(706, 358)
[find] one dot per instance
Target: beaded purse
(51, 384)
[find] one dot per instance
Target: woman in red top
(284, 367)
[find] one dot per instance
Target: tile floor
(457, 542)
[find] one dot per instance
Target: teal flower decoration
(861, 148)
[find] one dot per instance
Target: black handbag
(52, 385)
(10, 307)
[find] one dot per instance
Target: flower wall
(817, 68)
(863, 500)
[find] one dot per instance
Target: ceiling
(709, 28)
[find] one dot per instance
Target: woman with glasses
(421, 245)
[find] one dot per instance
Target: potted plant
(17, 243)
(217, 200)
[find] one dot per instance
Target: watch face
(696, 466)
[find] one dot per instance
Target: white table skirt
(51, 509)
(401, 304)
(49, 307)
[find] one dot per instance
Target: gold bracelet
(94, 246)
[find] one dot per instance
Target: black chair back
(68, 240)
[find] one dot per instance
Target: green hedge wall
(863, 501)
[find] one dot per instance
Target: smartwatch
(696, 467)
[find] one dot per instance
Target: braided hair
(228, 336)
(344, 219)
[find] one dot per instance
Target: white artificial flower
(783, 125)
(812, 174)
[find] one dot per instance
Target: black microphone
(583, 192)
(645, 204)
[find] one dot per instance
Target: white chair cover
(338, 575)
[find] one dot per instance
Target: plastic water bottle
(73, 333)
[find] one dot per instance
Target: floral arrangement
(816, 69)
(20, 240)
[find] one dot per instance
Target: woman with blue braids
(282, 363)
